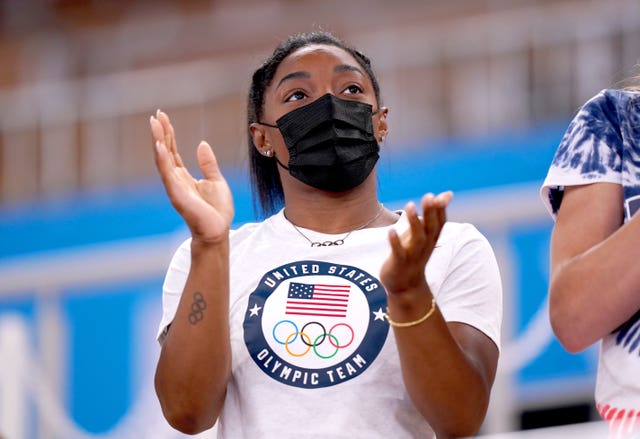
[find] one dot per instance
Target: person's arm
(195, 361)
(448, 368)
(595, 265)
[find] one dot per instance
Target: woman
(592, 190)
(279, 328)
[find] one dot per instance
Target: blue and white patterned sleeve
(590, 150)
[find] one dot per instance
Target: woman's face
(302, 77)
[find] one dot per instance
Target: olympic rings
(334, 352)
(302, 335)
(278, 324)
(350, 329)
(324, 333)
(197, 307)
(306, 339)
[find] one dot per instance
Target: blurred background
(480, 93)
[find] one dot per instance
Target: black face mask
(331, 143)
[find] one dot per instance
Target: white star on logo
(379, 315)
(254, 310)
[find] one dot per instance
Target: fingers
(434, 209)
(397, 248)
(411, 251)
(423, 230)
(169, 134)
(208, 162)
(415, 224)
(157, 131)
(177, 181)
(163, 161)
(157, 137)
(441, 201)
(430, 217)
(169, 137)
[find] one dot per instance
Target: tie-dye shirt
(602, 144)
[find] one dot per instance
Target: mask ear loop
(267, 124)
(280, 163)
(274, 155)
(276, 126)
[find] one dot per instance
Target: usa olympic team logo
(314, 324)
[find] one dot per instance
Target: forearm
(444, 383)
(596, 291)
(195, 361)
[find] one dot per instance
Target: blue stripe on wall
(144, 210)
(100, 357)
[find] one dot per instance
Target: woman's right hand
(206, 205)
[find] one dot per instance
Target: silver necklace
(341, 240)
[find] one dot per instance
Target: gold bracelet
(415, 322)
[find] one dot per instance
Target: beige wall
(79, 79)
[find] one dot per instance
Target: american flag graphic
(318, 300)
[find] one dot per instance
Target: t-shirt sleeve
(174, 283)
(471, 291)
(176, 277)
(589, 152)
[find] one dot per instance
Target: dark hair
(265, 180)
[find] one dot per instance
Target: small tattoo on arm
(197, 307)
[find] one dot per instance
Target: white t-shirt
(602, 144)
(312, 354)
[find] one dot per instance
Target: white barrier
(26, 377)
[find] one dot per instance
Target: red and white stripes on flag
(318, 300)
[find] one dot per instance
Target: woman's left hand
(404, 268)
